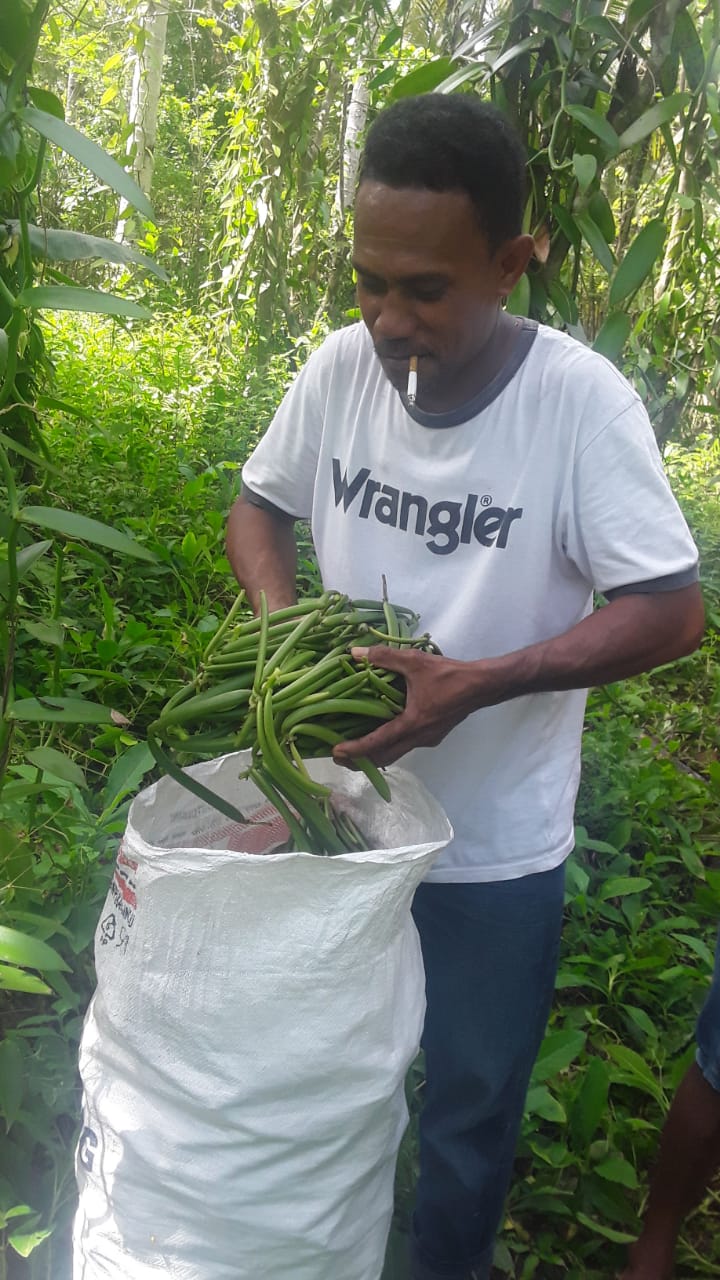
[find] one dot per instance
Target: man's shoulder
(350, 344)
(567, 359)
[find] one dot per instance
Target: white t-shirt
(495, 528)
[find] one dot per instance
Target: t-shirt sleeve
(624, 526)
(281, 469)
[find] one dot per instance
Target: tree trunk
(352, 144)
(144, 100)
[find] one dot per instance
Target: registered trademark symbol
(486, 500)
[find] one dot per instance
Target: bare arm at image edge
(262, 551)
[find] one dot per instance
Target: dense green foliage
(119, 448)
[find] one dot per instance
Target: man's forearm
(262, 552)
(633, 634)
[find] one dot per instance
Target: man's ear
(512, 259)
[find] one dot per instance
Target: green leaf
(57, 764)
(651, 120)
(609, 1233)
(595, 238)
(423, 79)
(584, 168)
(72, 525)
(617, 1169)
(635, 1070)
(687, 43)
(590, 1104)
(12, 979)
(74, 246)
(518, 303)
(46, 632)
(613, 335)
(387, 42)
(89, 154)
(557, 1052)
(597, 124)
(602, 215)
(19, 948)
(25, 560)
(60, 711)
(517, 50)
(63, 297)
(24, 1243)
(127, 772)
(638, 261)
(621, 886)
(567, 225)
(37, 459)
(46, 101)
(541, 1102)
(62, 406)
(12, 1079)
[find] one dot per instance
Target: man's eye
(431, 293)
(369, 285)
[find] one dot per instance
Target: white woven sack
(244, 1054)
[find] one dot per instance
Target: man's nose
(394, 321)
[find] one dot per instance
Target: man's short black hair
(452, 142)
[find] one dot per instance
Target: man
(525, 475)
(689, 1149)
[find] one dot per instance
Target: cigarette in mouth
(412, 380)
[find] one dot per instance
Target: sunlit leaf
(584, 168)
(73, 525)
(558, 1050)
(14, 979)
(89, 154)
(424, 78)
(621, 886)
(62, 297)
(74, 246)
(651, 120)
(20, 949)
(518, 303)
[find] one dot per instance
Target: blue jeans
(490, 953)
(707, 1032)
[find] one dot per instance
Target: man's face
(427, 284)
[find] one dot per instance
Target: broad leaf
(517, 50)
(37, 459)
(638, 261)
(24, 1242)
(58, 764)
(621, 886)
(13, 979)
(584, 168)
(18, 948)
(46, 101)
(89, 154)
(541, 1102)
(651, 120)
(597, 124)
(25, 561)
(46, 632)
(73, 525)
(595, 238)
(63, 297)
(465, 74)
(60, 711)
(590, 1104)
(634, 1070)
(127, 772)
(613, 335)
(687, 43)
(74, 246)
(617, 1169)
(557, 1052)
(423, 79)
(609, 1233)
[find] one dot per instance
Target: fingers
(380, 655)
(383, 746)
